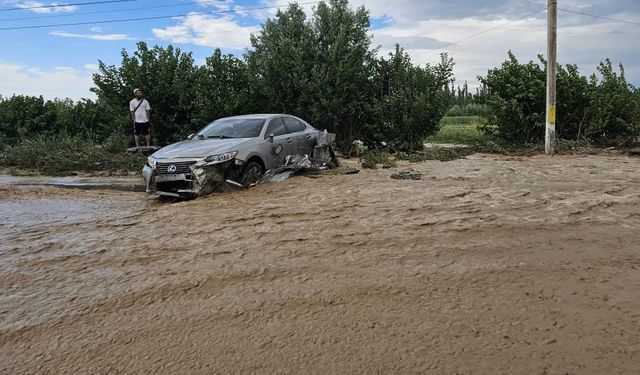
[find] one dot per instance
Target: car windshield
(233, 128)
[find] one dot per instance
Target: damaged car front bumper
(189, 178)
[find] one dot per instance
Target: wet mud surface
(84, 183)
(484, 265)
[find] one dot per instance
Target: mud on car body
(238, 149)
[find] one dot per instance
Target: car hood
(199, 148)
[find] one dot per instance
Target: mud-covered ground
(486, 265)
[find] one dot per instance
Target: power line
(484, 31)
(64, 5)
(492, 29)
(147, 18)
(602, 17)
(100, 12)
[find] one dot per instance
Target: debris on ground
(323, 153)
(322, 158)
(342, 170)
(371, 159)
(436, 153)
(293, 164)
(635, 151)
(407, 175)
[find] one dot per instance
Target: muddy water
(486, 265)
(83, 183)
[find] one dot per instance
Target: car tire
(252, 173)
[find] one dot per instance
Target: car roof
(260, 115)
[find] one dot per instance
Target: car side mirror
(190, 136)
(270, 138)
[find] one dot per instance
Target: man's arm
(148, 109)
(133, 118)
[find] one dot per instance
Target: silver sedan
(239, 148)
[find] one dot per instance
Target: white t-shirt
(141, 113)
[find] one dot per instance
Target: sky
(59, 61)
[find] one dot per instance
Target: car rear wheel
(253, 171)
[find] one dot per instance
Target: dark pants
(141, 128)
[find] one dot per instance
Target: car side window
(293, 125)
(276, 127)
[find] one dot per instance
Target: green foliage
(472, 109)
(62, 154)
(282, 60)
(341, 92)
(410, 100)
(516, 101)
(459, 129)
(318, 69)
(614, 107)
(224, 87)
(599, 110)
(166, 76)
(24, 117)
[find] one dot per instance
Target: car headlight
(152, 161)
(221, 158)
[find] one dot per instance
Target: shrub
(411, 101)
(599, 110)
(62, 154)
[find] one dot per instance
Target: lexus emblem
(172, 168)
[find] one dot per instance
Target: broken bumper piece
(201, 178)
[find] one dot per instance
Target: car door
(303, 141)
(283, 144)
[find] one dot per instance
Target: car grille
(181, 167)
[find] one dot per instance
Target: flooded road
(485, 265)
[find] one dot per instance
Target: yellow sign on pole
(552, 115)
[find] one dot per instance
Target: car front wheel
(252, 173)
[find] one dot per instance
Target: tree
(282, 60)
(224, 87)
(597, 110)
(411, 100)
(166, 77)
(318, 69)
(341, 91)
(614, 106)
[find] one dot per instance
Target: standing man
(140, 116)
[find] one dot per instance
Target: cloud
(584, 44)
(427, 28)
(31, 5)
(58, 82)
(222, 5)
(104, 37)
(260, 10)
(209, 31)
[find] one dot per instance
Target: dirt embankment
(486, 265)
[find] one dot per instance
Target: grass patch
(501, 148)
(459, 129)
(61, 155)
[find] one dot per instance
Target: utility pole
(552, 42)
